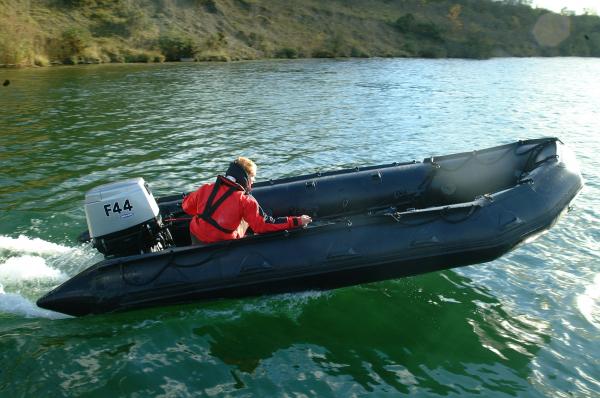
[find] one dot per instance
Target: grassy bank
(44, 32)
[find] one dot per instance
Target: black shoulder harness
(211, 207)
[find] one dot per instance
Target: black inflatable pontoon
(371, 224)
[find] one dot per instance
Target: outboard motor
(123, 219)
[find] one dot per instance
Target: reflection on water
(524, 325)
(388, 327)
(392, 336)
(589, 302)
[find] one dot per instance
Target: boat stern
(72, 303)
(74, 297)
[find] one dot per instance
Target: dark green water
(526, 325)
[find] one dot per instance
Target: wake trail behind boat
(30, 266)
(23, 245)
(14, 303)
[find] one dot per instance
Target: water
(524, 325)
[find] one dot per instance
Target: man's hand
(305, 220)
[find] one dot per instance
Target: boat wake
(31, 266)
(26, 269)
(291, 305)
(25, 245)
(288, 305)
(16, 304)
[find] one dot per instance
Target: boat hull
(376, 244)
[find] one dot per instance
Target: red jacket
(230, 213)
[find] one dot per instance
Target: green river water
(525, 325)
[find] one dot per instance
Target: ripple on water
(523, 325)
(588, 302)
(29, 267)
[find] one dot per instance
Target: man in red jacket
(223, 210)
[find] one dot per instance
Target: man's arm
(260, 222)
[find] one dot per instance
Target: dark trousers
(195, 241)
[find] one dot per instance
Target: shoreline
(19, 67)
(86, 64)
(91, 32)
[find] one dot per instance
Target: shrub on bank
(286, 52)
(74, 41)
(409, 24)
(175, 46)
(212, 56)
(41, 60)
(474, 46)
(359, 53)
(216, 41)
(432, 52)
(17, 38)
(429, 30)
(13, 52)
(323, 53)
(143, 56)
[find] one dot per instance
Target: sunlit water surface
(527, 324)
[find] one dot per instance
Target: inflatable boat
(370, 224)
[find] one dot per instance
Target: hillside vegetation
(43, 32)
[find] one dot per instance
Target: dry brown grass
(44, 32)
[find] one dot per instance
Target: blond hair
(248, 165)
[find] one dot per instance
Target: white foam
(588, 302)
(291, 304)
(27, 268)
(13, 303)
(26, 245)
